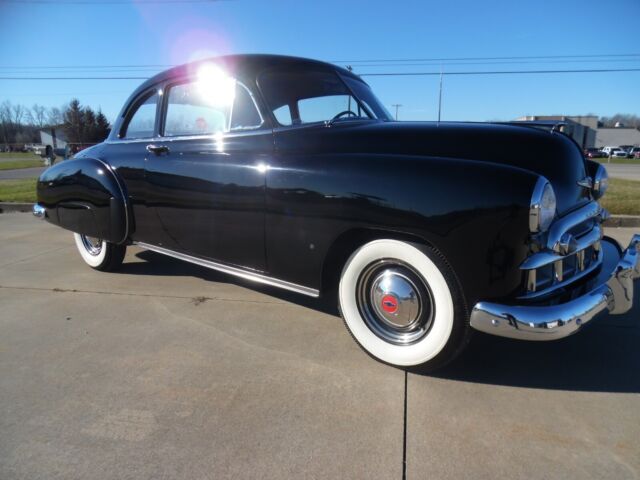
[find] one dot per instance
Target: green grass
(23, 190)
(16, 164)
(619, 161)
(623, 197)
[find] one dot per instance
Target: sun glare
(214, 86)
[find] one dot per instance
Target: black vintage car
(290, 172)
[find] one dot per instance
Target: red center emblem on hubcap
(390, 304)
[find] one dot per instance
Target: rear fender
(85, 196)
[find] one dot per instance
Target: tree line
(627, 120)
(21, 125)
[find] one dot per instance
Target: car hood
(550, 154)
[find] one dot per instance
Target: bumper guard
(558, 321)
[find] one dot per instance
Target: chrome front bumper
(557, 321)
(39, 211)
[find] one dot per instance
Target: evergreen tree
(102, 127)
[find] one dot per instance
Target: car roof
(248, 66)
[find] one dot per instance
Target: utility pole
(397, 106)
(440, 97)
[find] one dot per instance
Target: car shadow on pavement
(604, 357)
(162, 265)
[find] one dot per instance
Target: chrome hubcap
(93, 245)
(395, 302)
(395, 299)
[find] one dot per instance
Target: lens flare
(215, 87)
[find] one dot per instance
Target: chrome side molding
(238, 272)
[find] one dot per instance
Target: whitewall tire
(99, 254)
(402, 304)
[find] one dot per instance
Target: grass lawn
(16, 164)
(623, 196)
(18, 190)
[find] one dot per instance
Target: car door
(206, 174)
(126, 153)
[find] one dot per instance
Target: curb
(613, 221)
(12, 207)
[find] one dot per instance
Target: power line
(515, 59)
(376, 74)
(107, 2)
(520, 57)
(502, 72)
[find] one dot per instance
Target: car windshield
(299, 97)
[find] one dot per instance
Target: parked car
(635, 152)
(619, 153)
(291, 173)
(607, 151)
(593, 153)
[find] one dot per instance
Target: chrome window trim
(209, 136)
(238, 272)
(133, 108)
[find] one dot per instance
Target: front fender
(85, 196)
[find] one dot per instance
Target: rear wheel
(100, 254)
(402, 304)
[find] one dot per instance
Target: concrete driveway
(167, 370)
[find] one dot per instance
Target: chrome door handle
(157, 149)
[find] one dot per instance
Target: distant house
(617, 136)
(581, 128)
(53, 142)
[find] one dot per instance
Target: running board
(238, 272)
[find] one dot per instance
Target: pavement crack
(404, 431)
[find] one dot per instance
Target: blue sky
(71, 34)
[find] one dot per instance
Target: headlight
(543, 206)
(600, 182)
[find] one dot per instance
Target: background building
(581, 128)
(617, 136)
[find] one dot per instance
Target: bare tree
(54, 116)
(38, 115)
(18, 112)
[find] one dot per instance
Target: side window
(283, 115)
(318, 109)
(142, 122)
(196, 110)
(245, 114)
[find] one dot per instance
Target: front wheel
(402, 303)
(100, 254)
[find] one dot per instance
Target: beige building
(581, 128)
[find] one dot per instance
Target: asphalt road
(627, 172)
(21, 173)
(168, 370)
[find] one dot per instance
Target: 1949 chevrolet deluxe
(290, 172)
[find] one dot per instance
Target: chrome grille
(549, 270)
